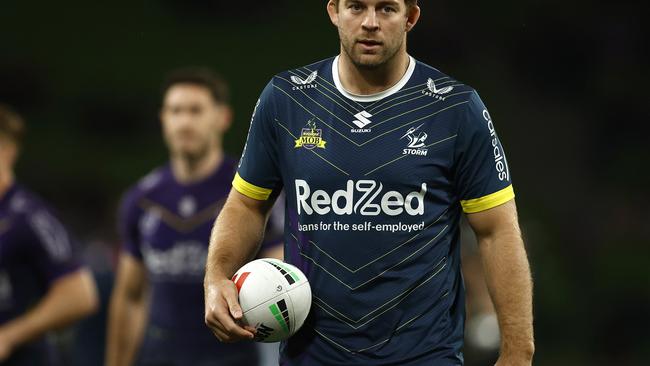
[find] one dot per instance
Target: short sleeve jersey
(167, 226)
(36, 250)
(375, 187)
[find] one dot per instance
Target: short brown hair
(11, 124)
(409, 3)
(201, 76)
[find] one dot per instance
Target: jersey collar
(372, 97)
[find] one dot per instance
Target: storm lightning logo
(416, 142)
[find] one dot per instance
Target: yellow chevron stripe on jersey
(487, 202)
(250, 190)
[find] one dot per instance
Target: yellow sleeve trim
(250, 190)
(489, 201)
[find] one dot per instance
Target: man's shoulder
(25, 202)
(147, 185)
(305, 76)
(30, 212)
(229, 163)
(440, 84)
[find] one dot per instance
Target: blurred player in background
(379, 155)
(156, 315)
(481, 326)
(43, 287)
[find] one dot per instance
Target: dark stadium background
(565, 82)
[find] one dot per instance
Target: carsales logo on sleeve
(500, 161)
(249, 133)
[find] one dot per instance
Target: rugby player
(379, 155)
(165, 223)
(43, 286)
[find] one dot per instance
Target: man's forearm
(235, 238)
(70, 298)
(126, 325)
(508, 277)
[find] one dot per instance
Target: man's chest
(10, 241)
(174, 232)
(166, 220)
(328, 149)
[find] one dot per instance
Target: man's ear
(225, 120)
(412, 17)
(332, 10)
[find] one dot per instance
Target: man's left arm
(508, 278)
(273, 246)
(71, 289)
(69, 299)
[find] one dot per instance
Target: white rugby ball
(275, 298)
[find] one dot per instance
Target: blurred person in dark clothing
(482, 336)
(156, 309)
(43, 286)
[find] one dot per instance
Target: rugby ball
(275, 298)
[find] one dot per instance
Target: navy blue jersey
(167, 226)
(375, 188)
(35, 251)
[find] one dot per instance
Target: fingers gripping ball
(275, 298)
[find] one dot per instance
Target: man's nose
(370, 22)
(184, 119)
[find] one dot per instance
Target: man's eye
(354, 7)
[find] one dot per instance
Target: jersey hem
(251, 190)
(487, 202)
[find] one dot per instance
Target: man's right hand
(223, 313)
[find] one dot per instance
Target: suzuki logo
(362, 119)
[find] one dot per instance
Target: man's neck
(371, 81)
(189, 171)
(6, 181)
